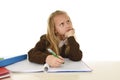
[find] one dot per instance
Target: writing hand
(54, 61)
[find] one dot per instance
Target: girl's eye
(62, 24)
(68, 21)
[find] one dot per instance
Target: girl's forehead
(61, 17)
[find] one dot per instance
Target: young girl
(59, 38)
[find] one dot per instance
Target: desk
(101, 71)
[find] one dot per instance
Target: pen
(1, 58)
(53, 53)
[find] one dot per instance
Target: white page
(68, 66)
(72, 66)
(25, 66)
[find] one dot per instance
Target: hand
(54, 61)
(70, 33)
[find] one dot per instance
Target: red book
(4, 73)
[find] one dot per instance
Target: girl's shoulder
(43, 39)
(43, 36)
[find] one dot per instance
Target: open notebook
(68, 66)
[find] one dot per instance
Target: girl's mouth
(69, 29)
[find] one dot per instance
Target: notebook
(68, 66)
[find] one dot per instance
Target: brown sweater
(39, 53)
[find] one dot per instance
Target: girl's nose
(67, 25)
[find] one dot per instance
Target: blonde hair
(51, 35)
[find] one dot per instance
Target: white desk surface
(104, 70)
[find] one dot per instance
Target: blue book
(11, 60)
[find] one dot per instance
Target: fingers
(70, 32)
(58, 62)
(54, 61)
(61, 58)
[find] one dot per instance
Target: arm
(38, 54)
(75, 53)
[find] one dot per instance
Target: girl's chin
(62, 37)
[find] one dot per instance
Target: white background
(96, 23)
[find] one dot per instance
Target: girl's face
(62, 24)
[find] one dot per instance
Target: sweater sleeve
(75, 53)
(38, 54)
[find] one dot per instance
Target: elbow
(36, 57)
(30, 56)
(76, 57)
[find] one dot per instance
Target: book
(4, 73)
(68, 66)
(8, 61)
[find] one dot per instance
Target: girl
(59, 38)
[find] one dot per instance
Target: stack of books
(4, 73)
